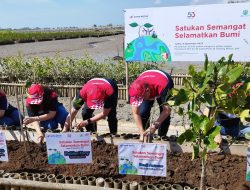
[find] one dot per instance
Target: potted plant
(221, 86)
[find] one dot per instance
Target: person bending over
(151, 85)
(97, 93)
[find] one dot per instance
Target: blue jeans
(145, 109)
(146, 106)
(235, 131)
(60, 117)
(11, 119)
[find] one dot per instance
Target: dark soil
(223, 171)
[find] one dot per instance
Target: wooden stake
(70, 117)
(20, 118)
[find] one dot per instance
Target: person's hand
(152, 128)
(81, 124)
(28, 120)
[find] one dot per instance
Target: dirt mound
(224, 171)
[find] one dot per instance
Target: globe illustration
(147, 48)
(56, 158)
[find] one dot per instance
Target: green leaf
(188, 136)
(196, 151)
(230, 58)
(28, 84)
(148, 25)
(213, 132)
(191, 70)
(247, 136)
(234, 73)
(212, 144)
(181, 97)
(244, 114)
(209, 100)
(134, 24)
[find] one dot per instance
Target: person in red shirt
(8, 114)
(151, 85)
(97, 93)
(44, 110)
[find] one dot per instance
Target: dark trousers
(145, 109)
(112, 120)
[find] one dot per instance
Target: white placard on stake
(69, 148)
(142, 159)
(186, 33)
(3, 148)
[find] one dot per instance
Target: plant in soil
(221, 86)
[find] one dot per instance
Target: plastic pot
(108, 182)
(43, 178)
(91, 180)
(151, 187)
(187, 188)
(60, 178)
(177, 187)
(51, 178)
(76, 180)
(36, 177)
(125, 185)
(117, 184)
(30, 176)
(133, 185)
(1, 173)
(142, 185)
(167, 186)
(99, 182)
(84, 180)
(160, 187)
(23, 175)
(210, 188)
(69, 180)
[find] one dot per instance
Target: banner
(248, 164)
(142, 159)
(186, 33)
(3, 148)
(69, 148)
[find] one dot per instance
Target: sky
(17, 14)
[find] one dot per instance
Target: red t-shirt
(157, 81)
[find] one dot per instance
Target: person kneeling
(44, 110)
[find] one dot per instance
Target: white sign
(248, 164)
(142, 159)
(69, 148)
(186, 33)
(3, 148)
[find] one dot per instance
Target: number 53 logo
(191, 14)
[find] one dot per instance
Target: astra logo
(191, 15)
